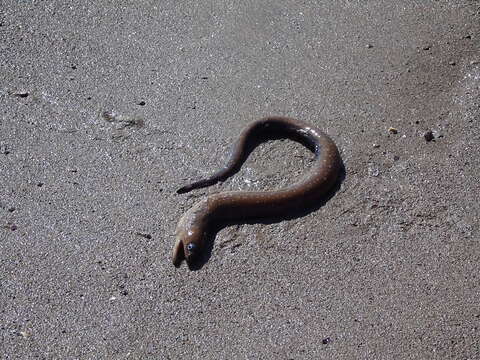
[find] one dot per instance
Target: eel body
(238, 205)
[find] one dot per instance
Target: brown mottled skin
(238, 205)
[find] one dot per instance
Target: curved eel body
(238, 205)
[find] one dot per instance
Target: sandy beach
(107, 108)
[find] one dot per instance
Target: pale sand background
(387, 269)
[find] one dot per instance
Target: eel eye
(191, 247)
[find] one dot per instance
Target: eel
(191, 231)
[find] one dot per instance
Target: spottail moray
(238, 205)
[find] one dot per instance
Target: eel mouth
(190, 255)
(178, 254)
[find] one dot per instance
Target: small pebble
(376, 146)
(109, 116)
(11, 209)
(23, 334)
(22, 94)
(373, 171)
(145, 235)
(426, 47)
(369, 46)
(452, 63)
(392, 130)
(326, 341)
(428, 135)
(40, 184)
(141, 103)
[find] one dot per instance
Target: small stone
(141, 103)
(369, 46)
(453, 63)
(4, 150)
(426, 47)
(392, 130)
(326, 341)
(40, 184)
(22, 94)
(428, 135)
(373, 170)
(109, 116)
(11, 209)
(23, 334)
(144, 235)
(376, 146)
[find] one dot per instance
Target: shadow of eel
(191, 232)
